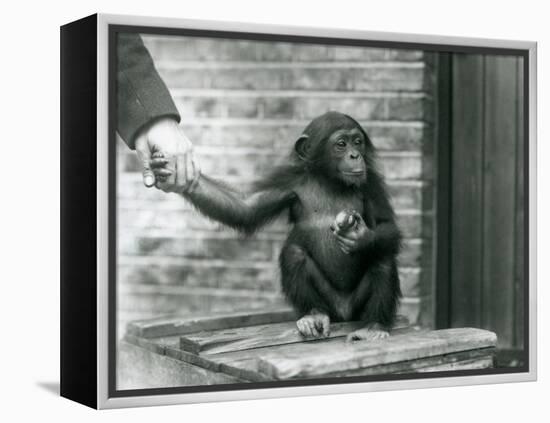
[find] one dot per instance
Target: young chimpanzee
(333, 269)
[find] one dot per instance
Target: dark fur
(314, 270)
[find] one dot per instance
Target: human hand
(163, 136)
(351, 235)
(175, 173)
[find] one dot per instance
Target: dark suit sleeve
(142, 96)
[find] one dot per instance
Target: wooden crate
(265, 346)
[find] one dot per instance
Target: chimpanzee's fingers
(303, 327)
(344, 249)
(312, 328)
(318, 327)
(326, 329)
(335, 230)
(357, 215)
(162, 172)
(322, 325)
(350, 242)
(159, 162)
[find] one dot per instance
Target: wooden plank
(237, 339)
(187, 324)
(499, 182)
(467, 188)
(169, 346)
(303, 361)
(140, 368)
(443, 147)
(248, 359)
(471, 358)
(471, 364)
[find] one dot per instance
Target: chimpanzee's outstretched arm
(225, 204)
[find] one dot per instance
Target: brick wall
(243, 104)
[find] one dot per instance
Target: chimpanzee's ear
(302, 146)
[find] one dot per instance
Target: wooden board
(487, 198)
(499, 164)
(467, 191)
(340, 357)
(263, 352)
(244, 362)
(182, 325)
(478, 359)
(140, 368)
(237, 339)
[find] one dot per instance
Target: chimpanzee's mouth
(359, 172)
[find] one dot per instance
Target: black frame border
(113, 29)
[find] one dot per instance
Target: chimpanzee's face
(346, 149)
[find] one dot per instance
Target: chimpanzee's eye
(341, 143)
(357, 141)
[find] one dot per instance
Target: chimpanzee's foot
(314, 325)
(369, 333)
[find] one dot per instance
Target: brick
(410, 308)
(417, 195)
(401, 138)
(306, 108)
(222, 277)
(416, 225)
(359, 54)
(319, 79)
(193, 107)
(225, 249)
(389, 79)
(415, 282)
(405, 55)
(178, 221)
(406, 167)
(409, 108)
(302, 78)
(201, 49)
(291, 52)
(204, 49)
(415, 253)
(189, 302)
(278, 137)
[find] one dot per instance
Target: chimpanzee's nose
(354, 156)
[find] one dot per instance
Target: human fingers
(144, 156)
(181, 171)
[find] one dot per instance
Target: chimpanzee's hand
(314, 325)
(162, 136)
(175, 173)
(355, 238)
